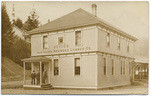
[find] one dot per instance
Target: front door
(45, 74)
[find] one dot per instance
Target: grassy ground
(12, 71)
(130, 89)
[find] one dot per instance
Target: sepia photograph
(74, 47)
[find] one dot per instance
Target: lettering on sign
(64, 50)
(61, 46)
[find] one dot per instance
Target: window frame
(45, 42)
(56, 67)
(75, 74)
(59, 38)
(121, 69)
(128, 46)
(118, 44)
(112, 65)
(108, 39)
(104, 67)
(130, 66)
(77, 38)
(124, 67)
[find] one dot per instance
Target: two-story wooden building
(79, 50)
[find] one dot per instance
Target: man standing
(33, 75)
(38, 78)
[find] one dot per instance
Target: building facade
(88, 53)
(20, 33)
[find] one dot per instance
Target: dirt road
(131, 89)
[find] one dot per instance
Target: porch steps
(46, 86)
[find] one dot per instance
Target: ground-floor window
(112, 62)
(104, 66)
(56, 68)
(130, 68)
(77, 66)
(124, 66)
(121, 67)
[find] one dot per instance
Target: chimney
(94, 9)
(48, 21)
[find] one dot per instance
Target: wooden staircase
(46, 86)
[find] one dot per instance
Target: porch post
(140, 72)
(133, 70)
(40, 72)
(24, 77)
(32, 67)
(49, 73)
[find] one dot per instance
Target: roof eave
(56, 29)
(119, 31)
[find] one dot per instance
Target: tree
(19, 23)
(20, 50)
(32, 21)
(7, 33)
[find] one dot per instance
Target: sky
(131, 17)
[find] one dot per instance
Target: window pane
(112, 66)
(78, 38)
(121, 67)
(56, 68)
(60, 40)
(108, 39)
(104, 66)
(127, 46)
(56, 62)
(77, 70)
(124, 68)
(130, 67)
(77, 62)
(77, 66)
(45, 42)
(118, 43)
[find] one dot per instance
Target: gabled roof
(19, 29)
(75, 19)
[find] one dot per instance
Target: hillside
(142, 48)
(10, 68)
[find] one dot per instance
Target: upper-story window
(118, 43)
(45, 42)
(108, 39)
(78, 38)
(60, 40)
(127, 46)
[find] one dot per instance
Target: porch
(40, 73)
(140, 69)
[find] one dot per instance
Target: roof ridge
(18, 28)
(57, 19)
(70, 20)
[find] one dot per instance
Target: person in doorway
(44, 76)
(38, 78)
(33, 75)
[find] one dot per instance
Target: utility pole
(13, 15)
